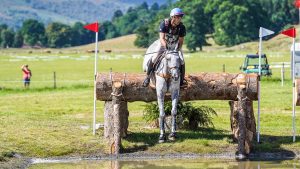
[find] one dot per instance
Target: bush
(193, 117)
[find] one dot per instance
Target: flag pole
(259, 76)
(294, 87)
(299, 14)
(95, 75)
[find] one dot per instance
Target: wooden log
(202, 86)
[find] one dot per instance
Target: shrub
(193, 117)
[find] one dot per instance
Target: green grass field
(46, 122)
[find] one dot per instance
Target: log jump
(202, 86)
(117, 89)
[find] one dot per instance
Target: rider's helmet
(176, 12)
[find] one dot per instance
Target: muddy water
(169, 164)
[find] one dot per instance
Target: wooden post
(242, 119)
(250, 120)
(116, 119)
(108, 119)
(115, 164)
(54, 80)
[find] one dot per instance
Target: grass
(45, 122)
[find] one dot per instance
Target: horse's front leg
(161, 89)
(174, 89)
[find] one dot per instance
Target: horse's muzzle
(176, 78)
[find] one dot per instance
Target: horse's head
(173, 60)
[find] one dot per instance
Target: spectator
(26, 76)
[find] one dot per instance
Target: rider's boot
(183, 82)
(149, 70)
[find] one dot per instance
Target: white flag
(264, 32)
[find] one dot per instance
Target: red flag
(92, 27)
(290, 32)
(297, 3)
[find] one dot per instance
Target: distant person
(171, 36)
(26, 75)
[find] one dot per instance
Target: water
(170, 164)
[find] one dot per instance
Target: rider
(171, 36)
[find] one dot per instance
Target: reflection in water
(114, 165)
(172, 164)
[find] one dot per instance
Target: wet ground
(157, 160)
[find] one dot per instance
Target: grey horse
(167, 79)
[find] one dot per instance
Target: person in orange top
(26, 75)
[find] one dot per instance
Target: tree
(33, 32)
(117, 14)
(59, 35)
(154, 7)
(197, 24)
(142, 39)
(7, 37)
(279, 13)
(18, 40)
(80, 35)
(147, 33)
(2, 28)
(109, 30)
(232, 24)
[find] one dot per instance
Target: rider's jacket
(172, 33)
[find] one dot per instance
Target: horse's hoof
(172, 137)
(162, 139)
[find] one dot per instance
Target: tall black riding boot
(182, 74)
(149, 70)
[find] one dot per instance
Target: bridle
(168, 75)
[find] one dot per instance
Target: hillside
(13, 13)
(279, 43)
(120, 44)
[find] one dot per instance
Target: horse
(167, 79)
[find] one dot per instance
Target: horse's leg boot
(162, 139)
(172, 136)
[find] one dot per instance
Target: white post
(294, 88)
(95, 75)
(282, 74)
(299, 15)
(259, 77)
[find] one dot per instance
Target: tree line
(55, 35)
(58, 35)
(229, 22)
